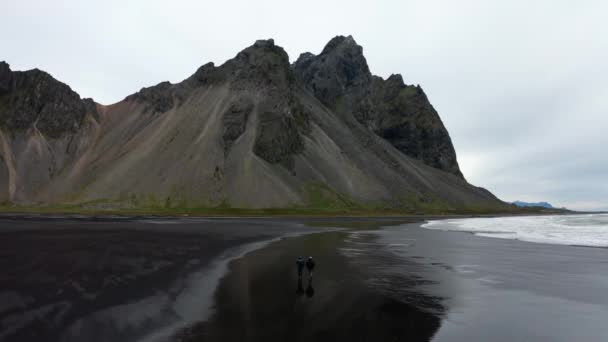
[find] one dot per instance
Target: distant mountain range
(255, 132)
(533, 204)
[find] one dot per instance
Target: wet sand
(262, 299)
(235, 280)
(407, 283)
(101, 279)
(492, 289)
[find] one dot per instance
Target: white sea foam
(581, 230)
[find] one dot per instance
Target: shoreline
(545, 291)
(406, 282)
(196, 279)
(553, 232)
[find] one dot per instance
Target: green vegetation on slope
(320, 199)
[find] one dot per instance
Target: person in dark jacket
(310, 265)
(300, 266)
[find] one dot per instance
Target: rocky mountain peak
(6, 77)
(264, 43)
(5, 68)
(395, 79)
(347, 56)
(340, 78)
(340, 42)
(34, 98)
(263, 64)
(263, 54)
(205, 74)
(259, 66)
(203, 71)
(340, 69)
(254, 131)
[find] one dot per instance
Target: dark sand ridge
(260, 299)
(114, 279)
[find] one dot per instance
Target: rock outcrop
(255, 131)
(402, 114)
(34, 99)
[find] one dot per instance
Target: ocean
(578, 230)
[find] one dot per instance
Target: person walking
(310, 265)
(300, 266)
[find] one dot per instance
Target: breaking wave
(579, 230)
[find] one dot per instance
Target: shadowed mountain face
(340, 78)
(35, 100)
(253, 132)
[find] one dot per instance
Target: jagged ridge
(340, 78)
(253, 132)
(34, 99)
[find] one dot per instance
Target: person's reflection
(310, 291)
(300, 290)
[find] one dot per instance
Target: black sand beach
(261, 300)
(232, 280)
(406, 283)
(506, 290)
(100, 279)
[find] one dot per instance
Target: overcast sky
(521, 85)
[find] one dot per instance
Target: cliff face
(402, 114)
(253, 132)
(35, 100)
(44, 126)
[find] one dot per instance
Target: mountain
(533, 204)
(254, 132)
(340, 78)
